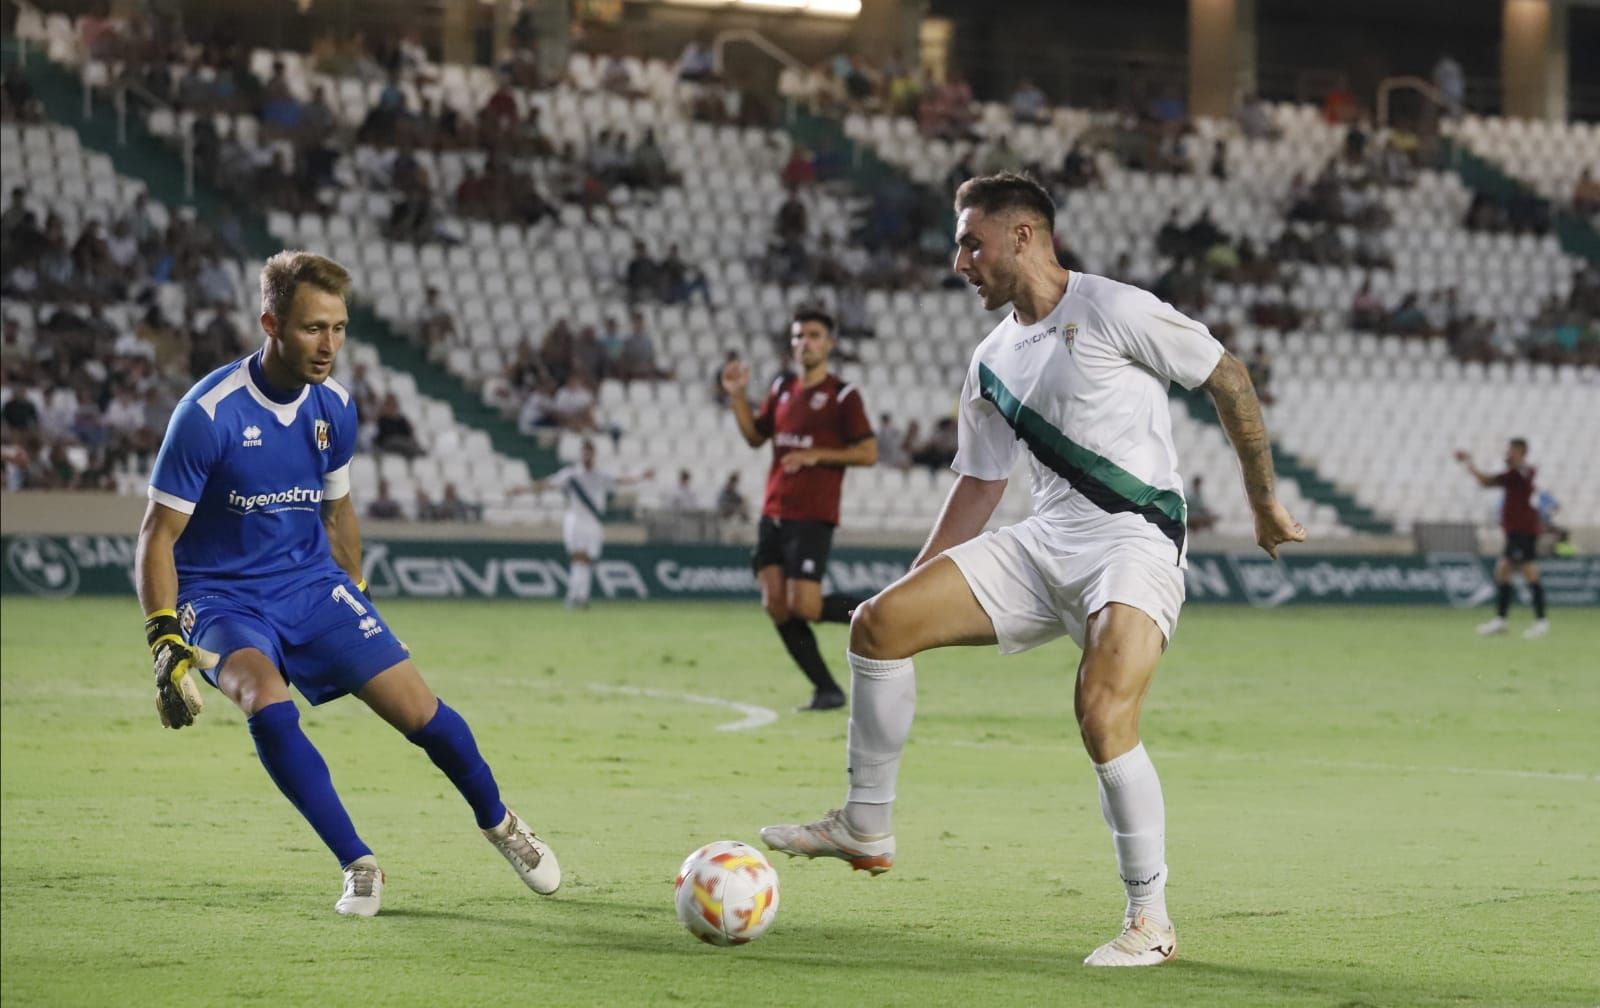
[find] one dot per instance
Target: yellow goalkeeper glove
(177, 694)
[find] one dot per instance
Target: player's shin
(302, 775)
(801, 643)
(578, 580)
(1131, 801)
(883, 700)
(449, 743)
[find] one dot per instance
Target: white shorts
(582, 534)
(1035, 588)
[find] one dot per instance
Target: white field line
(754, 716)
(1588, 777)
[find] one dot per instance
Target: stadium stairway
(146, 157)
(1480, 174)
(1313, 485)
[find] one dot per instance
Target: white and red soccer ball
(726, 893)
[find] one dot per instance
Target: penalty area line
(755, 716)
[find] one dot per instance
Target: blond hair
(285, 272)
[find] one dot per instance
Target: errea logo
(369, 626)
(252, 437)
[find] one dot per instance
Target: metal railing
(97, 76)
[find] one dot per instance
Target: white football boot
(363, 888)
(533, 859)
(1494, 626)
(830, 836)
(1537, 630)
(1143, 942)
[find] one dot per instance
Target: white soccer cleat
(1494, 626)
(533, 859)
(363, 888)
(831, 837)
(1538, 629)
(1143, 942)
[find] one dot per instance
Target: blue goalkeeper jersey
(251, 466)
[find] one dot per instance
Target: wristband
(160, 625)
(361, 586)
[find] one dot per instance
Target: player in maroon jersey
(1520, 521)
(817, 424)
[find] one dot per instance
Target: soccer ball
(726, 893)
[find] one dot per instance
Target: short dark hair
(816, 315)
(1521, 444)
(285, 272)
(1007, 190)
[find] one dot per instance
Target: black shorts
(1521, 547)
(799, 547)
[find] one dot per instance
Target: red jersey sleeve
(853, 422)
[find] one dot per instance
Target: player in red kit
(818, 425)
(1520, 521)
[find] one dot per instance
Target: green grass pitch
(1365, 807)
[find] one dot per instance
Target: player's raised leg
(251, 680)
(932, 606)
(401, 697)
(1121, 648)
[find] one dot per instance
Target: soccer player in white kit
(587, 490)
(1077, 376)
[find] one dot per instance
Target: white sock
(883, 699)
(578, 583)
(1130, 799)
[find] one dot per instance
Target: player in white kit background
(588, 492)
(1076, 375)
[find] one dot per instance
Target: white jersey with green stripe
(1084, 391)
(587, 491)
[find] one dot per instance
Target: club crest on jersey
(252, 437)
(1070, 334)
(186, 618)
(323, 440)
(819, 400)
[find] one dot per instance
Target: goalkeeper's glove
(177, 694)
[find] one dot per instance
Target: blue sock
(448, 742)
(302, 775)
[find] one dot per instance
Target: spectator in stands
(423, 508)
(719, 395)
(1586, 194)
(574, 404)
(538, 409)
(939, 450)
(384, 507)
(1407, 318)
(1254, 121)
(1201, 517)
(555, 351)
(891, 444)
(1028, 104)
(680, 281)
(1339, 105)
(642, 277)
(647, 167)
(1451, 82)
(436, 325)
(637, 359)
(697, 62)
(1366, 311)
(792, 220)
(395, 433)
(731, 505)
(999, 156)
(683, 499)
(451, 508)
(1219, 160)
(799, 171)
(1078, 169)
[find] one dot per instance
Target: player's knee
(252, 684)
(1104, 713)
(872, 628)
(808, 608)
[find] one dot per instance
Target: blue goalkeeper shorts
(323, 635)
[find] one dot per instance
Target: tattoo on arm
(1240, 413)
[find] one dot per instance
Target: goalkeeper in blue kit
(249, 572)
